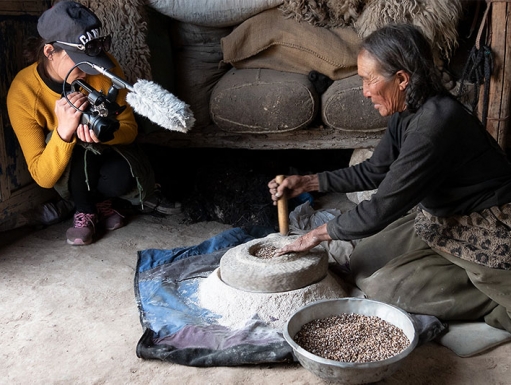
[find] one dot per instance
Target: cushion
(344, 107)
(269, 40)
(217, 13)
(263, 101)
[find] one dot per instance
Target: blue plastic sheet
(177, 329)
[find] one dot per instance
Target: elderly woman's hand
(306, 241)
(292, 186)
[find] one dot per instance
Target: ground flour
(235, 307)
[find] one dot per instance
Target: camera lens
(104, 128)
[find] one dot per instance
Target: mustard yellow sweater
(31, 109)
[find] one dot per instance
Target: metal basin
(349, 372)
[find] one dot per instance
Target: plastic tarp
(177, 329)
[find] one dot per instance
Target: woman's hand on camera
(68, 116)
(85, 134)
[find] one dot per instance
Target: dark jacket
(440, 158)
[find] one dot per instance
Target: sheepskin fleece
(438, 20)
(323, 13)
(124, 20)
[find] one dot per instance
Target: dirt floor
(69, 316)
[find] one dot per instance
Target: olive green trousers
(395, 266)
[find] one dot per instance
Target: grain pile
(352, 338)
(265, 252)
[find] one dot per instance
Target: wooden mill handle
(282, 210)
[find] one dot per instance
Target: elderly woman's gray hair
(403, 47)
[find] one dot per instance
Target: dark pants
(108, 175)
(395, 266)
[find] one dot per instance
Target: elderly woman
(436, 236)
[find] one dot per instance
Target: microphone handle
(117, 80)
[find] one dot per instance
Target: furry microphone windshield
(154, 102)
(160, 106)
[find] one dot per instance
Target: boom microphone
(160, 106)
(154, 102)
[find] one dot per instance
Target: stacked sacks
(269, 85)
(245, 65)
(197, 54)
(290, 41)
(268, 40)
(197, 26)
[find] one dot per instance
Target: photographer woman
(61, 151)
(436, 235)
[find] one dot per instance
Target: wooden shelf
(304, 139)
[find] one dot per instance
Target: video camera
(101, 112)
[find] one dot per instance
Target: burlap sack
(268, 40)
(197, 57)
(217, 13)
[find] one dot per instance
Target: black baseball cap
(71, 22)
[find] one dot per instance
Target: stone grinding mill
(252, 283)
(252, 267)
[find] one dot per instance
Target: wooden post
(497, 122)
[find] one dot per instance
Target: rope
(478, 70)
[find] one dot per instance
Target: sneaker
(110, 218)
(157, 202)
(82, 232)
